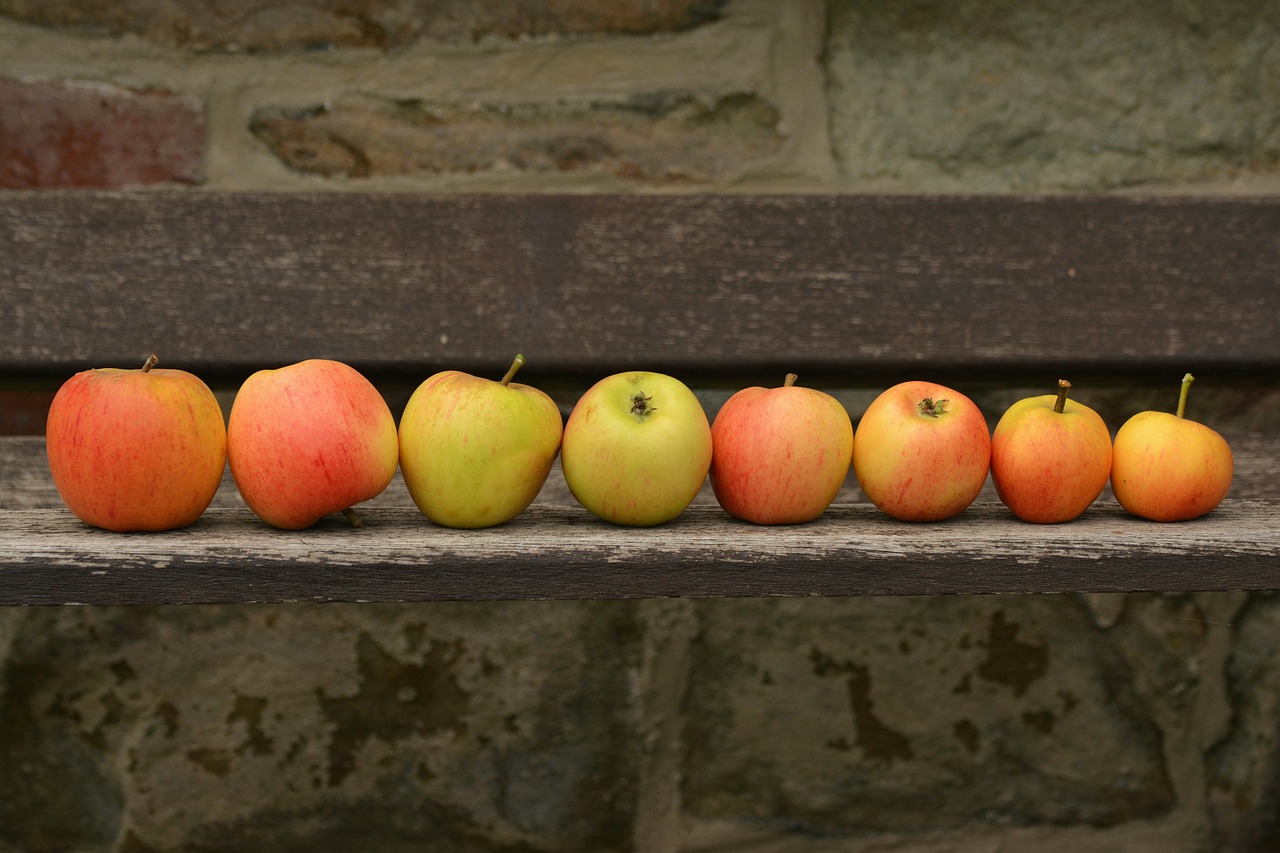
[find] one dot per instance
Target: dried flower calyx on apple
(932, 408)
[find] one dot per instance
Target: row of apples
(145, 449)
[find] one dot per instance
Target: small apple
(780, 455)
(636, 449)
(921, 451)
(136, 449)
(474, 452)
(1050, 457)
(1167, 468)
(309, 439)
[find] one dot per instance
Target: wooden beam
(707, 285)
(563, 553)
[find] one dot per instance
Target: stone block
(63, 133)
(1244, 767)
(249, 25)
(1040, 95)
(661, 138)
(856, 717)
(331, 727)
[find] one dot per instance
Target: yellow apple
(780, 455)
(1167, 468)
(475, 452)
(1050, 457)
(921, 451)
(136, 450)
(636, 448)
(309, 439)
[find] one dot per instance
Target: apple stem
(152, 361)
(790, 380)
(351, 516)
(511, 371)
(1182, 395)
(1061, 402)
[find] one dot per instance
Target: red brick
(79, 134)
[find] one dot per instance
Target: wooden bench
(851, 292)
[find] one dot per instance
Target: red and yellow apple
(475, 452)
(636, 448)
(136, 450)
(921, 451)
(1050, 457)
(1167, 468)
(310, 439)
(780, 455)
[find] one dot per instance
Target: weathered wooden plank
(710, 285)
(563, 553)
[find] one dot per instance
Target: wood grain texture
(706, 285)
(564, 553)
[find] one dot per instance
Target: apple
(636, 448)
(475, 452)
(136, 450)
(1050, 457)
(1167, 468)
(921, 451)
(310, 439)
(780, 455)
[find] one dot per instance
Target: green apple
(921, 451)
(780, 455)
(309, 439)
(1167, 468)
(1050, 457)
(136, 450)
(475, 452)
(637, 448)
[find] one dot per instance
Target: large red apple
(309, 439)
(780, 455)
(1167, 468)
(1050, 457)
(136, 449)
(921, 451)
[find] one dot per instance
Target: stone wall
(1036, 722)
(646, 95)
